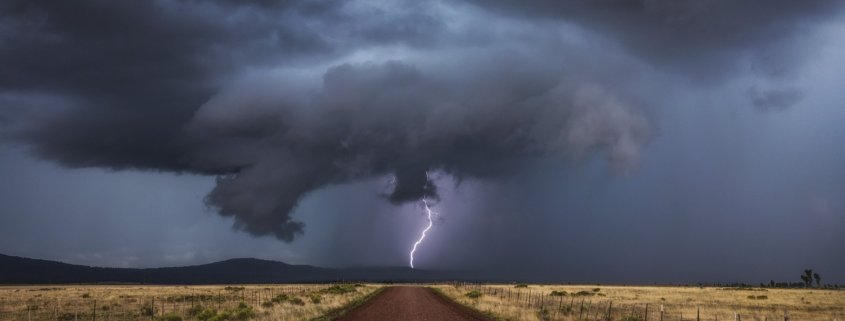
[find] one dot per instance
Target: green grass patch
(340, 289)
(315, 298)
(241, 313)
(169, 317)
(474, 294)
(583, 293)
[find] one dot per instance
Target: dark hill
(19, 270)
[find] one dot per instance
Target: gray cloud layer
(279, 99)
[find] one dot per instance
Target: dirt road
(409, 303)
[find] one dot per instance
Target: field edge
(488, 314)
(341, 311)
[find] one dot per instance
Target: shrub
(596, 289)
(147, 310)
(86, 295)
(224, 316)
(521, 285)
(558, 293)
(474, 294)
(206, 315)
(280, 298)
(339, 289)
(169, 317)
(267, 304)
(583, 293)
(544, 314)
(315, 298)
(67, 317)
(631, 318)
(296, 301)
(243, 312)
(195, 310)
(234, 288)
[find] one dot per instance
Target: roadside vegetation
(179, 303)
(529, 302)
(645, 303)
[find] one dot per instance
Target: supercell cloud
(280, 99)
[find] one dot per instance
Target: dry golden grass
(678, 303)
(116, 302)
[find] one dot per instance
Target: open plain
(350, 302)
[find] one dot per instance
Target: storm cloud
(280, 99)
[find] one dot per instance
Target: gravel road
(410, 303)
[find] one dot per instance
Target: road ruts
(410, 303)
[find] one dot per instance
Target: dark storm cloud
(280, 99)
(138, 70)
(377, 119)
(774, 99)
(703, 38)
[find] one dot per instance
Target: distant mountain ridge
(20, 270)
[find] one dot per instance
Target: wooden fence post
(559, 306)
(581, 311)
(697, 313)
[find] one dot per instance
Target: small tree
(807, 277)
(818, 279)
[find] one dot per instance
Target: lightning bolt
(422, 236)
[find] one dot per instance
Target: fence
(591, 308)
(125, 306)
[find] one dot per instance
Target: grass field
(503, 302)
(173, 303)
(536, 302)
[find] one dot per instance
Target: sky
(648, 141)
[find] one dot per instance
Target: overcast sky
(588, 141)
